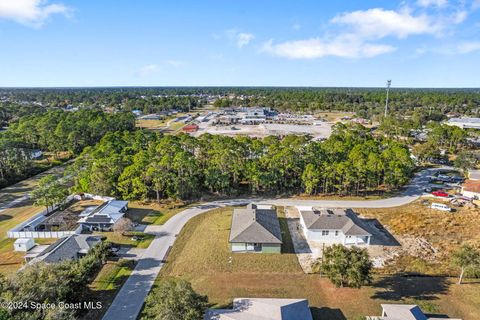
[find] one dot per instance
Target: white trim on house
(341, 234)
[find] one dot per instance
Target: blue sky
(417, 43)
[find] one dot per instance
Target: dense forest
(140, 165)
(36, 119)
(55, 131)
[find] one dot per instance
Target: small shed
(23, 244)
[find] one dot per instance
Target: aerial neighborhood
(239, 160)
(249, 212)
(268, 228)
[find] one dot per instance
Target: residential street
(129, 300)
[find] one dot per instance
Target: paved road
(129, 300)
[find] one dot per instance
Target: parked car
(457, 179)
(440, 194)
(440, 206)
(444, 178)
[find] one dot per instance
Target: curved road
(129, 300)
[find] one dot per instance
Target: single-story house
(71, 247)
(255, 230)
(263, 309)
(471, 189)
(104, 216)
(334, 226)
(404, 312)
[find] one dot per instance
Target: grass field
(126, 240)
(11, 261)
(152, 212)
(151, 124)
(201, 255)
(106, 285)
(17, 190)
(444, 230)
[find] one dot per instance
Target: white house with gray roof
(334, 226)
(404, 312)
(263, 309)
(104, 216)
(255, 229)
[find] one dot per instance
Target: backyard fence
(22, 230)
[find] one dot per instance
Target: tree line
(55, 131)
(58, 130)
(366, 102)
(142, 165)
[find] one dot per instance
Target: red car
(440, 193)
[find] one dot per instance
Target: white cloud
(33, 13)
(379, 23)
(244, 39)
(459, 16)
(429, 3)
(297, 27)
(346, 46)
(360, 32)
(240, 39)
(175, 63)
(467, 47)
(148, 70)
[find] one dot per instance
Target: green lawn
(152, 212)
(106, 285)
(126, 240)
(201, 255)
(11, 261)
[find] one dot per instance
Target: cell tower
(389, 83)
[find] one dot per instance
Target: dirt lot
(201, 255)
(428, 236)
(334, 116)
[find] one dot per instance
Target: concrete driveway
(129, 300)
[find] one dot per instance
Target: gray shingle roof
(403, 311)
(67, 248)
(255, 226)
(334, 219)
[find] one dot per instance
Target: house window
(336, 233)
(324, 232)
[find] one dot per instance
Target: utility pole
(389, 83)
